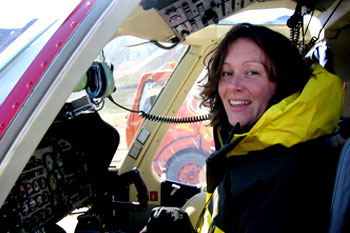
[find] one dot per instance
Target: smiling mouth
(239, 102)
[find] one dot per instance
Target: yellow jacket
(298, 118)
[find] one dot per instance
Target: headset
(99, 83)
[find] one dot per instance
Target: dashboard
(67, 170)
(53, 183)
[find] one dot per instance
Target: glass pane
(25, 28)
(185, 148)
(150, 91)
(140, 70)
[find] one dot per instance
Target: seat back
(194, 207)
(341, 192)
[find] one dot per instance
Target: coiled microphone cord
(164, 119)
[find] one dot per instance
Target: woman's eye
(226, 74)
(252, 73)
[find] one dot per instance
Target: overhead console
(187, 16)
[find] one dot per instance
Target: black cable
(295, 24)
(156, 43)
(314, 39)
(329, 17)
(308, 24)
(306, 48)
(164, 119)
(176, 120)
(120, 106)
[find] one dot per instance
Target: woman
(272, 115)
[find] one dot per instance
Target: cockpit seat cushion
(194, 207)
(341, 193)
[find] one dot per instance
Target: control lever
(176, 187)
(133, 177)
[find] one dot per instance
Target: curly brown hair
(284, 64)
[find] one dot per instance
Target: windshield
(9, 35)
(149, 93)
(25, 27)
(141, 69)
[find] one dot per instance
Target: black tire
(187, 166)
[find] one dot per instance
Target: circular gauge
(48, 211)
(42, 215)
(36, 185)
(46, 197)
(59, 160)
(59, 175)
(53, 182)
(22, 192)
(30, 189)
(55, 200)
(25, 209)
(35, 219)
(42, 182)
(39, 200)
(48, 162)
(32, 204)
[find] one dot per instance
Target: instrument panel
(185, 17)
(53, 183)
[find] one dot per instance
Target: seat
(341, 194)
(194, 207)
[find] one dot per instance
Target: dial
(36, 185)
(22, 191)
(42, 215)
(59, 160)
(39, 200)
(32, 204)
(53, 182)
(45, 197)
(49, 161)
(30, 189)
(25, 209)
(48, 211)
(42, 182)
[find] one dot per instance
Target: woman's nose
(235, 83)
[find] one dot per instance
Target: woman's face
(245, 87)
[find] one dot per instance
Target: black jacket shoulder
(277, 189)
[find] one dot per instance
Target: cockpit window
(25, 27)
(9, 35)
(149, 93)
(141, 69)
